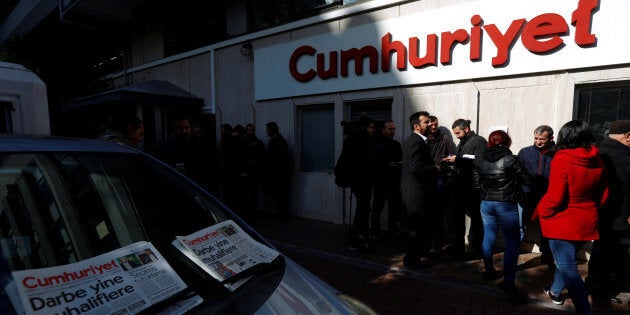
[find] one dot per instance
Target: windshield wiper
(258, 269)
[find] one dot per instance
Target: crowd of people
(574, 190)
(245, 167)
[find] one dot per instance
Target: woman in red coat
(568, 211)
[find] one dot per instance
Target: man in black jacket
(387, 159)
(186, 151)
(418, 186)
(441, 145)
(358, 154)
(611, 253)
(465, 197)
(278, 170)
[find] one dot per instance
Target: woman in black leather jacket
(498, 176)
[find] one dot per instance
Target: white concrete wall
(234, 94)
(521, 103)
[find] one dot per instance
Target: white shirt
(421, 136)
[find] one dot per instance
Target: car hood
(300, 292)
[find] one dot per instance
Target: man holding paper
(466, 199)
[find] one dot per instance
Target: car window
(60, 208)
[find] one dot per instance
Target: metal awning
(152, 92)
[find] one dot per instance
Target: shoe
(447, 246)
(510, 289)
(556, 299)
(415, 263)
(492, 275)
(359, 243)
(376, 237)
(602, 303)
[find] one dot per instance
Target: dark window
(270, 13)
(379, 110)
(190, 25)
(600, 106)
(317, 138)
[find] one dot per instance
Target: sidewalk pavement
(448, 286)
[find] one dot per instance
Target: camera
(351, 128)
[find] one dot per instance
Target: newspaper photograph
(224, 250)
(123, 281)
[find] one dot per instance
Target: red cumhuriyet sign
(542, 34)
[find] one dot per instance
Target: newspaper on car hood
(135, 277)
(224, 250)
(123, 281)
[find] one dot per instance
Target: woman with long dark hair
(568, 212)
(498, 175)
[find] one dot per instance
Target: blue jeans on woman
(504, 215)
(567, 274)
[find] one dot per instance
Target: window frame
(600, 128)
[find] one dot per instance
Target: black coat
(616, 156)
(498, 174)
(418, 186)
(419, 173)
(471, 144)
(387, 159)
(359, 155)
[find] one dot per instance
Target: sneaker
(492, 275)
(556, 299)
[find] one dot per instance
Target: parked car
(65, 200)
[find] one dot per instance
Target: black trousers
(466, 202)
(386, 192)
(610, 254)
(363, 194)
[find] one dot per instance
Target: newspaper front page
(224, 250)
(123, 281)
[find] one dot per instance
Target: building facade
(513, 65)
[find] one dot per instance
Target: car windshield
(60, 208)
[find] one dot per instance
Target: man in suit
(418, 187)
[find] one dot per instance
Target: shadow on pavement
(303, 239)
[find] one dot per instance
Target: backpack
(342, 172)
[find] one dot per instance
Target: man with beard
(465, 197)
(441, 145)
(186, 152)
(418, 186)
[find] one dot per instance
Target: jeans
(521, 221)
(567, 274)
(503, 214)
